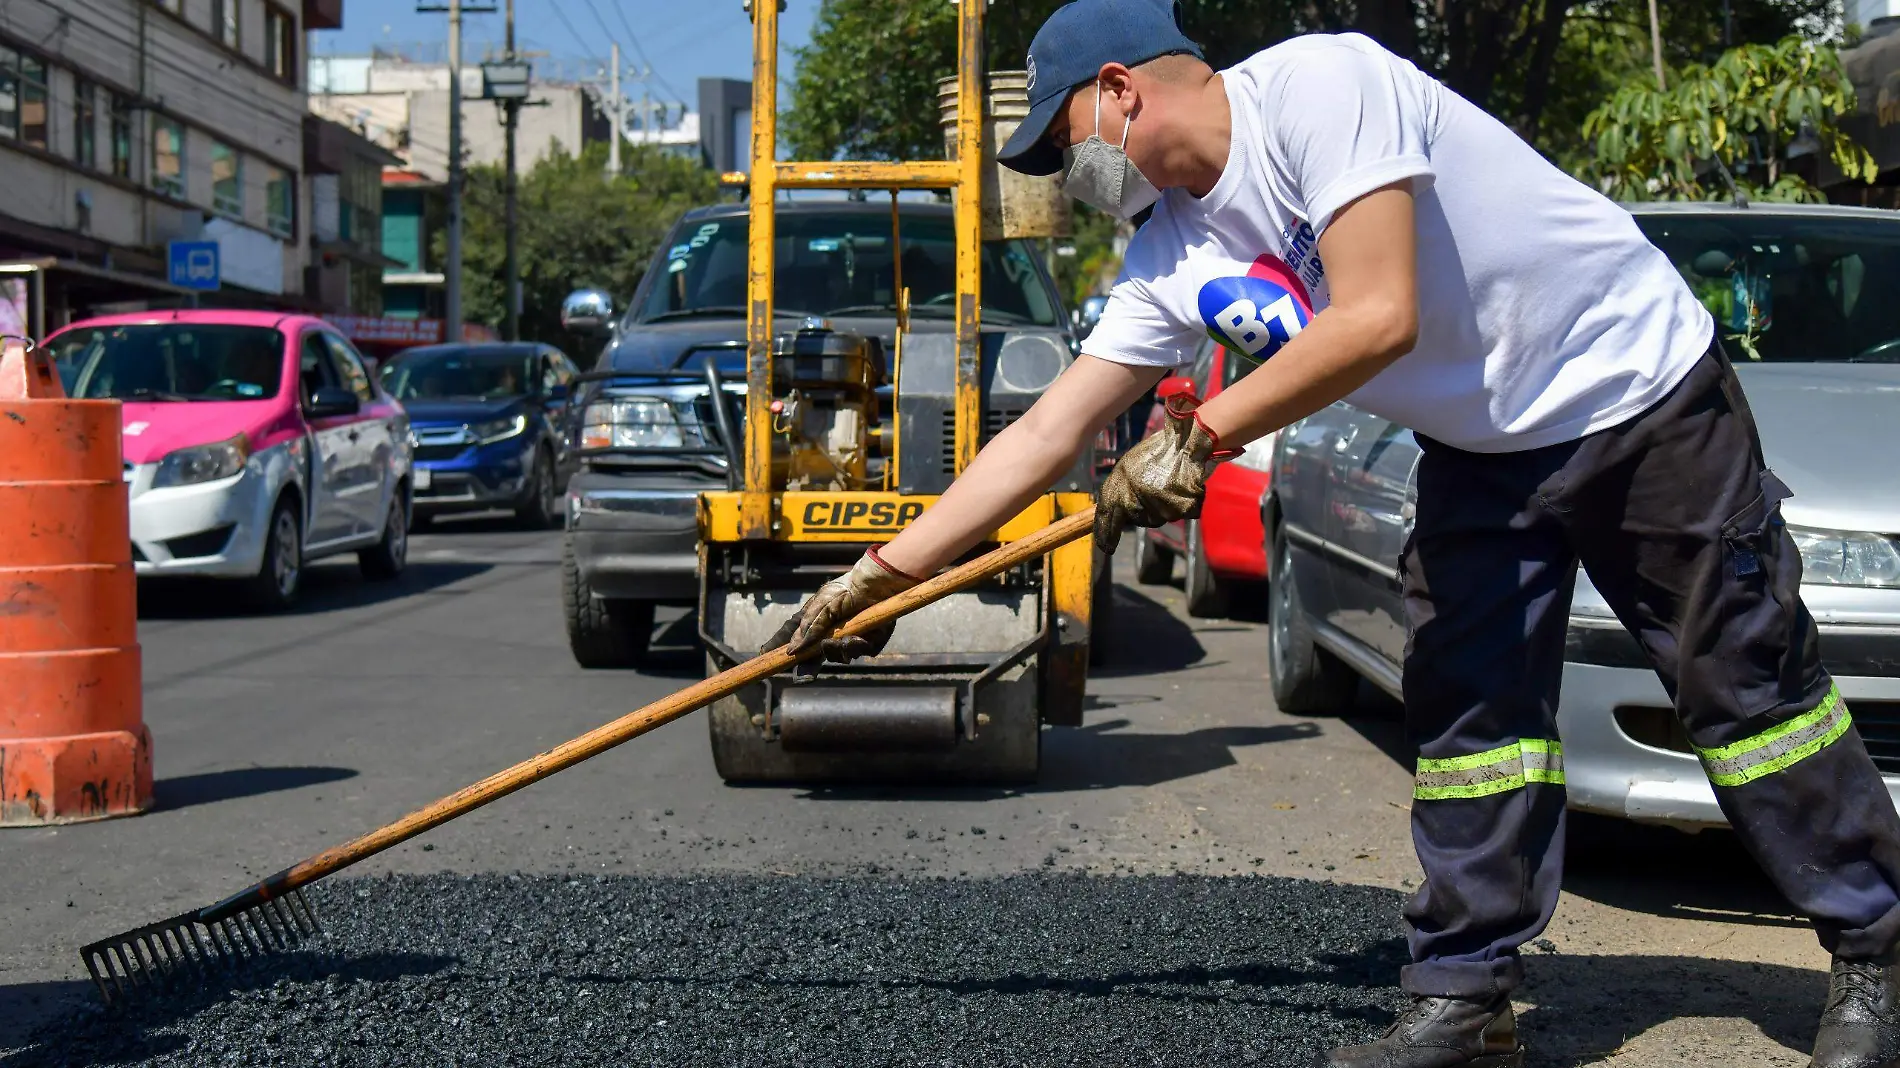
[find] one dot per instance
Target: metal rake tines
(187, 947)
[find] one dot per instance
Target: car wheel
(1306, 678)
(386, 559)
(1206, 593)
(1154, 562)
(601, 633)
(279, 575)
(542, 509)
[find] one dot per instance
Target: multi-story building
(126, 124)
(403, 106)
(344, 172)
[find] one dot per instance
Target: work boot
(1860, 1028)
(1442, 1033)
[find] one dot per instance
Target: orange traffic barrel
(73, 743)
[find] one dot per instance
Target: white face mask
(1102, 176)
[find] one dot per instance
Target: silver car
(1807, 299)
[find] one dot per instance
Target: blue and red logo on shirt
(1256, 313)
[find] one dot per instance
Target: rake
(272, 916)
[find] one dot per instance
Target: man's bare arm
(1021, 463)
(1371, 258)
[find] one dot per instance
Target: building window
(33, 117)
(22, 97)
(168, 156)
(280, 44)
(85, 123)
(119, 111)
(227, 179)
(224, 22)
(280, 216)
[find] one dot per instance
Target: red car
(1225, 548)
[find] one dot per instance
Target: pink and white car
(254, 442)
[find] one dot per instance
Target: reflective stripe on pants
(1508, 767)
(1781, 746)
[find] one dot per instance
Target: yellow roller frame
(757, 514)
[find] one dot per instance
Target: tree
(1737, 117)
(578, 228)
(1605, 46)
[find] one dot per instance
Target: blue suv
(489, 424)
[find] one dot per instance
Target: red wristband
(881, 562)
(1191, 409)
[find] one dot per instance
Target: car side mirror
(331, 401)
(557, 392)
(587, 312)
(1174, 386)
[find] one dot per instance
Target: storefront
(382, 337)
(40, 295)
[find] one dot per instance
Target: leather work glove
(869, 581)
(1161, 478)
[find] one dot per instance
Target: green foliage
(577, 227)
(1741, 112)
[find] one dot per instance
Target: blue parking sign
(193, 264)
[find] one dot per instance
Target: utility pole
(1655, 46)
(511, 272)
(452, 312)
(619, 114)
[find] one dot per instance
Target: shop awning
(81, 285)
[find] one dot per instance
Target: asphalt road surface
(1196, 877)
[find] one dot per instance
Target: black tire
(1206, 593)
(279, 575)
(1154, 562)
(601, 633)
(386, 559)
(542, 508)
(1307, 680)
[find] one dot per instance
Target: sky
(682, 40)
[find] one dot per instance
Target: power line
(611, 36)
(572, 32)
(620, 12)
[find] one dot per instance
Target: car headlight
(1846, 557)
(498, 429)
(202, 463)
(637, 423)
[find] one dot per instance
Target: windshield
(1789, 288)
(840, 263)
(171, 361)
(459, 373)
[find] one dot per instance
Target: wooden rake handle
(634, 724)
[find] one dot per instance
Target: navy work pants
(1677, 521)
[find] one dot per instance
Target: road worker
(1327, 208)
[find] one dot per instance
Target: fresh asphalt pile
(1042, 970)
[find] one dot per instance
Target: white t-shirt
(1544, 313)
